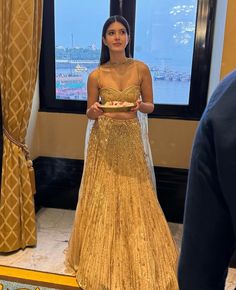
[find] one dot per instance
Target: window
(77, 45)
(174, 37)
(164, 39)
(70, 51)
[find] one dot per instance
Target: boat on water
(171, 76)
(79, 68)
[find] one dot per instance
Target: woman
(120, 239)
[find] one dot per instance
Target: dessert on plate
(117, 106)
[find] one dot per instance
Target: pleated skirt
(120, 238)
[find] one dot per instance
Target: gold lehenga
(120, 239)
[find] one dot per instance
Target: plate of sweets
(117, 106)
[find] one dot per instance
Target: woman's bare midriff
(121, 115)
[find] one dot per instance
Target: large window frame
(200, 74)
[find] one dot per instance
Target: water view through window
(78, 30)
(164, 39)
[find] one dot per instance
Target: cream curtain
(20, 34)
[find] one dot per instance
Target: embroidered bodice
(130, 94)
(126, 76)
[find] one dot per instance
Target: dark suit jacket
(210, 210)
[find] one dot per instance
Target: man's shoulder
(223, 98)
(225, 86)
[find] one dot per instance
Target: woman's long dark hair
(105, 55)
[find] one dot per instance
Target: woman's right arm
(93, 109)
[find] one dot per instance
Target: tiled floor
(54, 227)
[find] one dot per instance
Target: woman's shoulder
(143, 67)
(94, 74)
(93, 77)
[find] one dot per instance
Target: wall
(229, 55)
(32, 136)
(218, 45)
(171, 140)
(62, 135)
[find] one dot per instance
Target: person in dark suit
(210, 209)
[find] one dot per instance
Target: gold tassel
(31, 175)
(27, 157)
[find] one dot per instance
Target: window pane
(78, 30)
(164, 39)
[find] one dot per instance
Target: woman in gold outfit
(120, 239)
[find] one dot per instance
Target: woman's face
(116, 38)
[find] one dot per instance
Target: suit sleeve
(208, 238)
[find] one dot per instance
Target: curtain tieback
(27, 157)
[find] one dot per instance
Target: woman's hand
(144, 107)
(137, 107)
(94, 111)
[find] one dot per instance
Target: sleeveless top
(129, 80)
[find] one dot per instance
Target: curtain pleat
(20, 37)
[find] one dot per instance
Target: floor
(54, 227)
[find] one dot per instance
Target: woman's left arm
(146, 105)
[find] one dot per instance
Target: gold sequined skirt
(120, 239)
